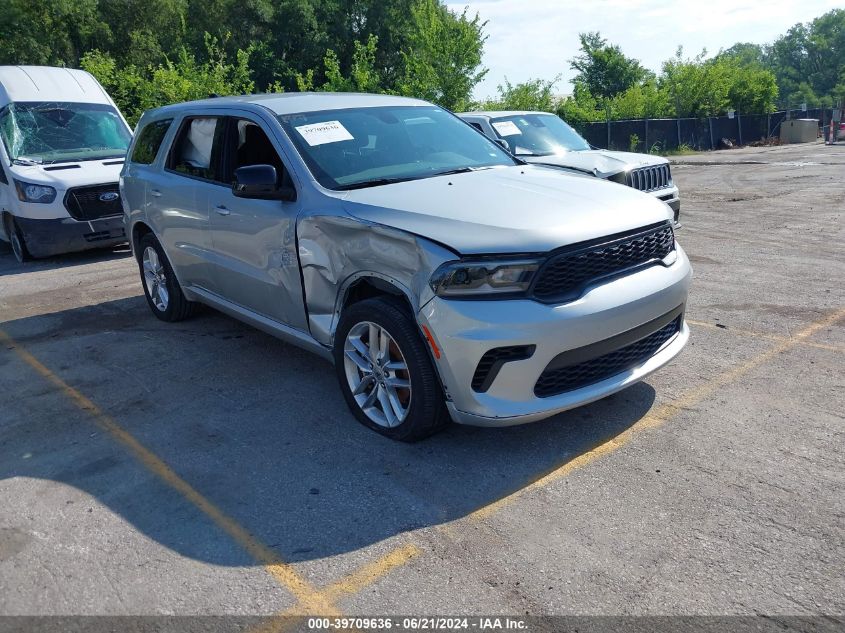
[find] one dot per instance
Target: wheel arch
(139, 230)
(369, 285)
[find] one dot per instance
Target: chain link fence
(660, 135)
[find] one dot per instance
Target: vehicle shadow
(258, 427)
(10, 266)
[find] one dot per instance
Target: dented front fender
(335, 251)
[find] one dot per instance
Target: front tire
(17, 240)
(161, 288)
(385, 372)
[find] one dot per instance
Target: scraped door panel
(255, 240)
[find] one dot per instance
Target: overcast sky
(537, 38)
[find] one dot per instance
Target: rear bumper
(66, 235)
(465, 330)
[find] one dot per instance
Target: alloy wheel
(155, 279)
(377, 374)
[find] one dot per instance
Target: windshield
(56, 132)
(363, 147)
(538, 134)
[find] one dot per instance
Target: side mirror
(504, 144)
(261, 181)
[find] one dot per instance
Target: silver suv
(443, 277)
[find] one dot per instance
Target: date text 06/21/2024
(420, 623)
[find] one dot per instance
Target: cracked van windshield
(43, 133)
(367, 147)
(538, 135)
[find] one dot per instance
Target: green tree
(442, 57)
(746, 54)
(645, 100)
(534, 94)
(580, 108)
(144, 32)
(184, 79)
(415, 47)
(52, 32)
(752, 89)
(362, 77)
(603, 69)
(684, 80)
(811, 54)
(701, 87)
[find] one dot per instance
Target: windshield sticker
(507, 128)
(322, 133)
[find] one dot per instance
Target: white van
(63, 145)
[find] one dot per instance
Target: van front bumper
(464, 331)
(66, 235)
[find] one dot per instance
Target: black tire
(178, 307)
(427, 411)
(17, 240)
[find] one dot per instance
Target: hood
(601, 162)
(521, 209)
(63, 176)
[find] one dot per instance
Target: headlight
(621, 178)
(483, 277)
(28, 192)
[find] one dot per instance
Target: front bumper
(66, 235)
(465, 330)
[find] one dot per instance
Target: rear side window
(196, 150)
(149, 141)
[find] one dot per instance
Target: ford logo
(109, 196)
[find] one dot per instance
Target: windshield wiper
(449, 172)
(376, 182)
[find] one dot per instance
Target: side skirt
(274, 328)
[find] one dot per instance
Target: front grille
(493, 360)
(565, 275)
(649, 178)
(557, 380)
(84, 203)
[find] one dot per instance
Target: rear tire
(17, 240)
(391, 386)
(161, 288)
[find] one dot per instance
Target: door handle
(155, 193)
(222, 210)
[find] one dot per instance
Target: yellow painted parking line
(309, 599)
(654, 419)
(766, 335)
(659, 416)
(306, 595)
(366, 575)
